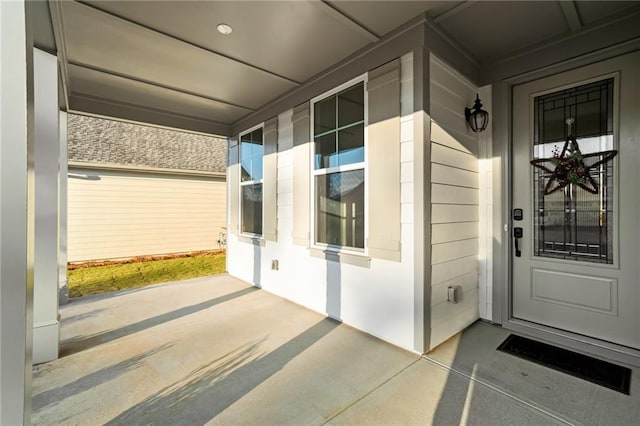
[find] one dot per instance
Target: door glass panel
(573, 223)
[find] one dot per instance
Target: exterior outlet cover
(274, 265)
(452, 295)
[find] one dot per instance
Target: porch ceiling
(164, 62)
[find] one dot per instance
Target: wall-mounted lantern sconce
(477, 117)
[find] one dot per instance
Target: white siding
(377, 298)
(114, 214)
(455, 199)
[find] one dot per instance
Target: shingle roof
(103, 141)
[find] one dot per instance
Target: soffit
(291, 39)
(380, 17)
(165, 57)
(132, 51)
(512, 25)
(101, 87)
(593, 11)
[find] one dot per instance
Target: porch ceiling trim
(453, 11)
(372, 36)
(94, 105)
(571, 14)
(57, 22)
(589, 58)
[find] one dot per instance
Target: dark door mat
(584, 367)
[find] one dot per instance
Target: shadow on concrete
(457, 395)
(209, 390)
(60, 393)
(82, 316)
(257, 265)
(80, 300)
(334, 290)
(81, 343)
(463, 399)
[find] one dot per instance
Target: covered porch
(404, 231)
(219, 351)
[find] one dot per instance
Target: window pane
(325, 149)
(324, 115)
(245, 161)
(591, 105)
(351, 105)
(573, 223)
(252, 209)
(340, 209)
(351, 145)
(554, 125)
(251, 153)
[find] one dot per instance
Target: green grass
(102, 279)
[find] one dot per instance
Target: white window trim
(250, 182)
(354, 166)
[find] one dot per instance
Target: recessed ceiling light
(224, 29)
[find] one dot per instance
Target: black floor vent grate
(584, 367)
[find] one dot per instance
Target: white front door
(578, 267)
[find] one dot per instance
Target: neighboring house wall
(115, 214)
(138, 190)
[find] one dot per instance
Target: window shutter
(384, 161)
(270, 181)
(301, 174)
(233, 184)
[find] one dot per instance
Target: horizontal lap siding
(123, 214)
(455, 199)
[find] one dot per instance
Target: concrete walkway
(216, 351)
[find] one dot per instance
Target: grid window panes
(251, 154)
(338, 134)
(338, 129)
(572, 223)
(340, 208)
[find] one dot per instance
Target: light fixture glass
(224, 29)
(476, 116)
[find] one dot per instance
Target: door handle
(517, 234)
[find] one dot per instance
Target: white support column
(46, 326)
(63, 287)
(16, 207)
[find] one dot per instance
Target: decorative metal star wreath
(570, 166)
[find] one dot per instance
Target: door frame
(503, 243)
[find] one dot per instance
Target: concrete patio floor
(215, 350)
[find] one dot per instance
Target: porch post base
(46, 339)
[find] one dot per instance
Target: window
(251, 153)
(572, 223)
(339, 168)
